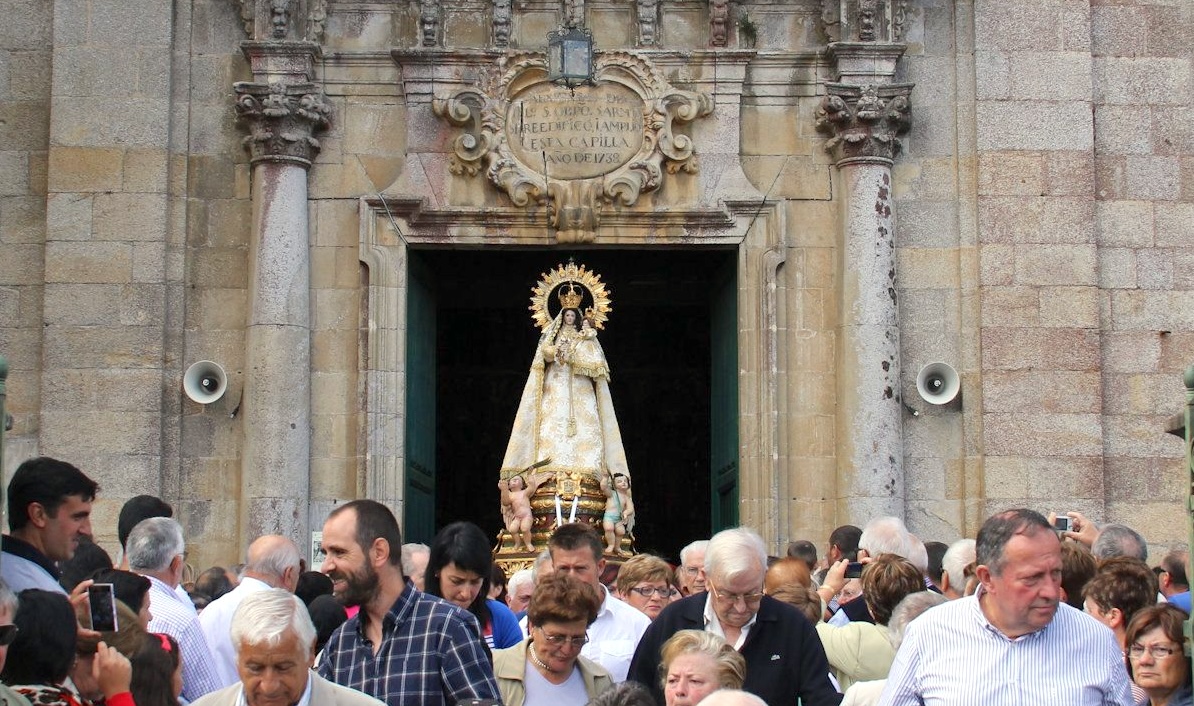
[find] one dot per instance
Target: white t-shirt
(541, 692)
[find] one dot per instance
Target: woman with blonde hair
(695, 664)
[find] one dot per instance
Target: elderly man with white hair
(272, 562)
(156, 550)
(275, 645)
(692, 567)
(784, 657)
(518, 591)
(953, 568)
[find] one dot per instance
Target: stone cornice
(864, 63)
(288, 62)
(282, 120)
(865, 122)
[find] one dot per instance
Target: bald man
(272, 562)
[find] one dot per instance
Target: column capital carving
(865, 122)
(282, 120)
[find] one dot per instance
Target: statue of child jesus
(516, 507)
(619, 511)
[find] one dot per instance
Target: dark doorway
(657, 341)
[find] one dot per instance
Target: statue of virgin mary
(566, 416)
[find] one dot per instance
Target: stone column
(282, 111)
(864, 122)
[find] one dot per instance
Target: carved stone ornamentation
(865, 122)
(574, 13)
(308, 17)
(831, 20)
(574, 154)
(429, 22)
(502, 23)
(282, 120)
(899, 16)
(648, 22)
(719, 22)
(867, 9)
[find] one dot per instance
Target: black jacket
(784, 657)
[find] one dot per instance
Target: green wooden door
(419, 515)
(724, 403)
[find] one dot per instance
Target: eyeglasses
(560, 640)
(1137, 650)
(692, 570)
(648, 591)
(730, 599)
(8, 633)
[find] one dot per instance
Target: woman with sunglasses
(43, 651)
(546, 668)
(1156, 657)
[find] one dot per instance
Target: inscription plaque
(579, 137)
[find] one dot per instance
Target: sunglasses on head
(8, 633)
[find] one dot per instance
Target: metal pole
(1189, 439)
(3, 426)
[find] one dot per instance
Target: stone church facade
(1006, 186)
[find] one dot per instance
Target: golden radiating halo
(576, 274)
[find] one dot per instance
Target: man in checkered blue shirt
(403, 647)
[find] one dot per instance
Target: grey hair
(959, 554)
(887, 535)
(731, 697)
(277, 557)
(519, 578)
(912, 607)
(918, 555)
(8, 599)
(701, 545)
(1119, 540)
(998, 530)
(627, 693)
(263, 618)
(543, 558)
(154, 543)
(408, 556)
(733, 552)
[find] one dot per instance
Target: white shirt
(953, 655)
(216, 621)
(614, 636)
(713, 624)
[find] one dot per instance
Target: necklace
(536, 661)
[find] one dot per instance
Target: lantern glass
(570, 56)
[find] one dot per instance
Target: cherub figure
(619, 511)
(516, 506)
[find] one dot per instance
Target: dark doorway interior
(657, 342)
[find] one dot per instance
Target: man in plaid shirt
(403, 647)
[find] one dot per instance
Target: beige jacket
(510, 664)
(323, 693)
(857, 651)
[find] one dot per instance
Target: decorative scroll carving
(502, 22)
(282, 120)
(429, 21)
(719, 22)
(865, 121)
(648, 22)
(574, 156)
(899, 15)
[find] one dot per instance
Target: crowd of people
(1022, 613)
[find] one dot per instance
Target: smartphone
(103, 607)
(1063, 524)
(854, 570)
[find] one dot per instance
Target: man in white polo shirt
(576, 549)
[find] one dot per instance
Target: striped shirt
(178, 620)
(431, 654)
(953, 655)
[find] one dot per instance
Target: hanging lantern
(570, 56)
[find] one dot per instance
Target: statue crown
(571, 298)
